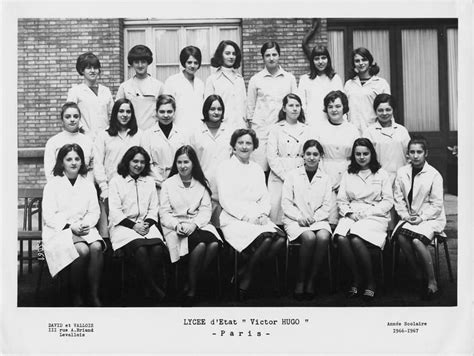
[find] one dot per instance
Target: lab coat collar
(130, 179)
(232, 74)
(280, 72)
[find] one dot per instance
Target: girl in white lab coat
(228, 82)
(365, 198)
(133, 215)
(284, 149)
(185, 213)
(109, 147)
(72, 133)
(211, 143)
(163, 139)
(419, 203)
(70, 212)
(245, 202)
(306, 202)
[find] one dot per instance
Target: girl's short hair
(207, 105)
(374, 164)
(164, 99)
(320, 51)
(196, 171)
(313, 143)
(269, 45)
(68, 105)
(332, 96)
(123, 167)
(384, 98)
(418, 140)
(189, 51)
(114, 124)
(365, 53)
(85, 60)
(242, 132)
(217, 61)
(139, 52)
(286, 98)
(58, 169)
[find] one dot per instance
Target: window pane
(420, 79)
(229, 33)
(164, 71)
(336, 51)
(166, 49)
(200, 37)
(453, 78)
(377, 42)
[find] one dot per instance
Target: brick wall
(288, 33)
(47, 54)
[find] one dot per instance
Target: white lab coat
(132, 199)
(183, 204)
(64, 204)
(242, 194)
(427, 200)
(302, 198)
(284, 153)
(54, 144)
(312, 93)
(189, 99)
(390, 145)
(370, 194)
(162, 150)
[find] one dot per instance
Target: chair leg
(21, 258)
(382, 272)
(219, 279)
(38, 282)
(395, 259)
(287, 251)
(331, 284)
(277, 276)
(236, 273)
(448, 261)
(436, 246)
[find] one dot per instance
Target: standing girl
(362, 89)
(313, 87)
(185, 214)
(365, 198)
(228, 82)
(70, 212)
(419, 203)
(284, 149)
(306, 202)
(266, 91)
(187, 89)
(70, 117)
(163, 139)
(93, 99)
(211, 143)
(142, 89)
(133, 217)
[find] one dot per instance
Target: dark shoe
(352, 292)
(368, 295)
(299, 296)
(430, 294)
(243, 295)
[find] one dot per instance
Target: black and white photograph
(255, 177)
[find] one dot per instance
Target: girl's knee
(95, 247)
(82, 249)
(308, 237)
(323, 235)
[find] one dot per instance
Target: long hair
(207, 105)
(217, 61)
(282, 114)
(123, 167)
(196, 171)
(114, 124)
(374, 164)
(58, 169)
(365, 53)
(320, 51)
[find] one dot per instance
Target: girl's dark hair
(114, 124)
(196, 171)
(241, 132)
(384, 98)
(164, 99)
(123, 167)
(313, 143)
(320, 51)
(269, 45)
(58, 169)
(364, 52)
(332, 96)
(85, 60)
(374, 164)
(216, 60)
(189, 51)
(139, 52)
(282, 114)
(207, 105)
(420, 140)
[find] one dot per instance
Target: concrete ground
(404, 293)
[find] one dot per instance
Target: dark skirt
(130, 248)
(413, 235)
(200, 236)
